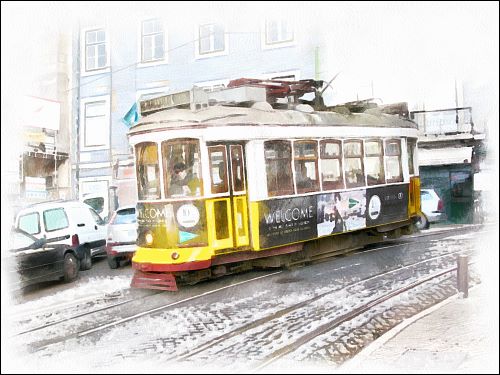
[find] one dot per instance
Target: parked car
(122, 236)
(432, 208)
(71, 223)
(31, 260)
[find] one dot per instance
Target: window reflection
(148, 171)
(182, 168)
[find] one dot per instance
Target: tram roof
(219, 115)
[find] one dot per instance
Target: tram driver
(183, 183)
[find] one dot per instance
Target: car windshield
(426, 195)
(125, 216)
(21, 240)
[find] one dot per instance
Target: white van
(72, 223)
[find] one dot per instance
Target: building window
(306, 166)
(374, 162)
(211, 39)
(331, 165)
(146, 94)
(95, 124)
(353, 164)
(278, 156)
(394, 172)
(148, 171)
(461, 184)
(278, 31)
(211, 86)
(153, 41)
(96, 54)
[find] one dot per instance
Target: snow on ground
(94, 288)
(150, 334)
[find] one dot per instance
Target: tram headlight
(149, 238)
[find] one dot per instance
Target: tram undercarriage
(289, 256)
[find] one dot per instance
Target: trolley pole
(463, 275)
(316, 63)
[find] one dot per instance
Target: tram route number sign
(287, 220)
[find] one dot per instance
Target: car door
(35, 263)
(99, 227)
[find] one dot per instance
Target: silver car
(122, 235)
(432, 208)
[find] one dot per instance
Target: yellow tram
(250, 176)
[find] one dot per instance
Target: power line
(176, 48)
(168, 51)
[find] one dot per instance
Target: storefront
(450, 173)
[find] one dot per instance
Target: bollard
(463, 275)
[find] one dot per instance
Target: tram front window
(182, 168)
(148, 180)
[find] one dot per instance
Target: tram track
(350, 316)
(185, 355)
(322, 329)
(49, 324)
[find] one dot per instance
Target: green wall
(454, 184)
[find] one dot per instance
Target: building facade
(40, 116)
(450, 153)
(118, 62)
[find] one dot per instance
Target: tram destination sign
(195, 99)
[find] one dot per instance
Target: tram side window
(393, 160)
(306, 166)
(182, 168)
(331, 165)
(410, 146)
(353, 160)
(278, 156)
(218, 170)
(374, 162)
(148, 171)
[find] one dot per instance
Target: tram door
(228, 210)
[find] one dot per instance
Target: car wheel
(422, 222)
(71, 267)
(86, 263)
(113, 262)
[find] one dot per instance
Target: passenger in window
(183, 183)
(303, 180)
(336, 217)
